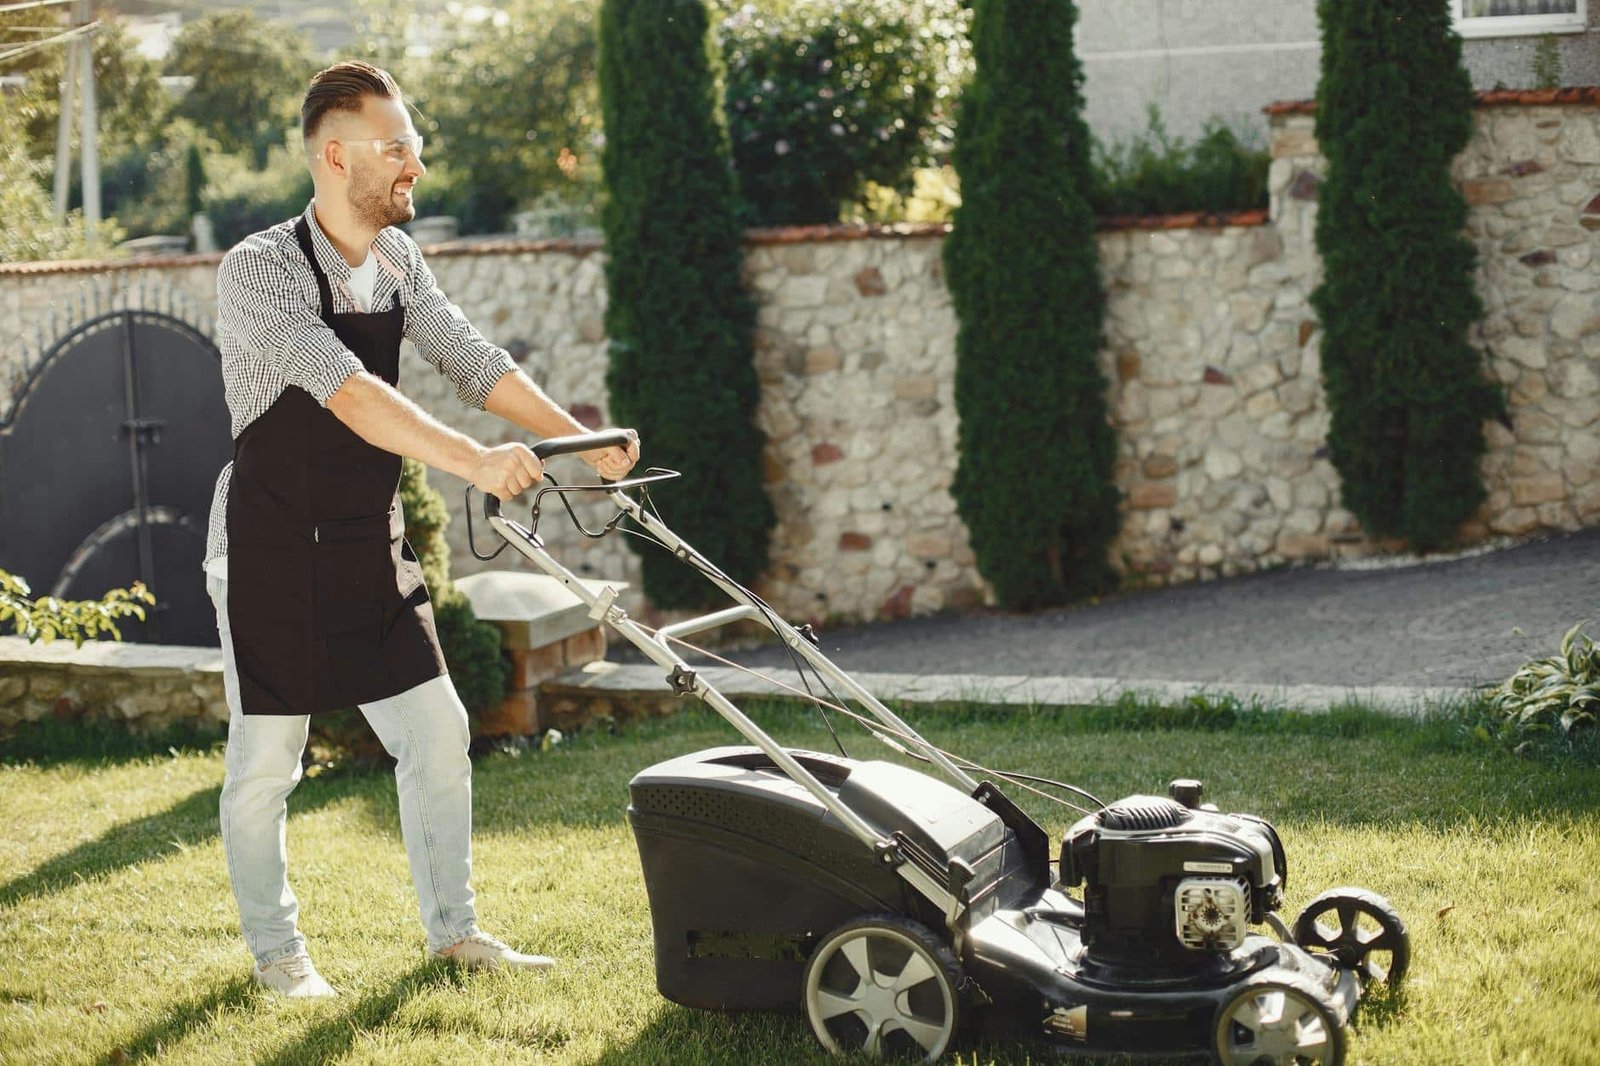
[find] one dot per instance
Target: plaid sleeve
(272, 317)
(447, 340)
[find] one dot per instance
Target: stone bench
(546, 630)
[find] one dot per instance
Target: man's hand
(506, 471)
(613, 464)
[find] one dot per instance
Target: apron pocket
(354, 581)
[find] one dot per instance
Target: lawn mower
(901, 910)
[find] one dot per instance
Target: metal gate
(107, 462)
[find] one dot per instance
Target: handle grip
(577, 442)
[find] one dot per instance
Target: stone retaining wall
(151, 689)
(1211, 347)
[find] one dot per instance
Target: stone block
(1528, 492)
(1160, 465)
(529, 666)
(1151, 495)
(1303, 545)
(531, 610)
(822, 360)
(921, 387)
(1481, 191)
(516, 716)
(854, 542)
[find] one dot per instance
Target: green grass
(118, 936)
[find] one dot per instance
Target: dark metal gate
(107, 462)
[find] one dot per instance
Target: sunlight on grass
(119, 929)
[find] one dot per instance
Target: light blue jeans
(424, 728)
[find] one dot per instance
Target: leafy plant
(471, 648)
(249, 75)
(1407, 394)
(681, 368)
(1158, 173)
(46, 618)
(823, 96)
(511, 101)
(1034, 475)
(1547, 63)
(1557, 692)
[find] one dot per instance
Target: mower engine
(1170, 883)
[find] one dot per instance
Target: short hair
(341, 87)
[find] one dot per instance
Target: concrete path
(1396, 635)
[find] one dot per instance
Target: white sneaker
(295, 977)
(480, 951)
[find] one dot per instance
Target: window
(1517, 18)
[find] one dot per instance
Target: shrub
(242, 199)
(46, 618)
(681, 365)
(1034, 476)
(471, 648)
(1558, 692)
(1159, 174)
(1406, 392)
(823, 96)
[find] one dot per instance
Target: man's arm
(519, 401)
(382, 417)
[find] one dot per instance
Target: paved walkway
(1395, 635)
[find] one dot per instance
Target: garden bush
(824, 96)
(1407, 395)
(1034, 475)
(1158, 173)
(682, 369)
(1557, 695)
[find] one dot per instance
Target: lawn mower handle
(578, 442)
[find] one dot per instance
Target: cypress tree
(1406, 392)
(1034, 480)
(681, 367)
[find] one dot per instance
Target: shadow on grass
(332, 1038)
(195, 1015)
(190, 821)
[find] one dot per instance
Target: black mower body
(745, 868)
(746, 871)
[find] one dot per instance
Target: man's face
(383, 154)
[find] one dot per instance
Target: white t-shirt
(362, 281)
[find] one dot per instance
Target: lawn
(118, 936)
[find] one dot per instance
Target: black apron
(326, 600)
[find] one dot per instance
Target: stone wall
(1211, 347)
(148, 689)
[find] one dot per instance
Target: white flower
(781, 148)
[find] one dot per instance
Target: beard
(373, 203)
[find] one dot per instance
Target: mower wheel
(1278, 1018)
(884, 986)
(1356, 930)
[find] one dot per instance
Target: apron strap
(302, 232)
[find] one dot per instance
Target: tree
(128, 96)
(31, 230)
(1406, 392)
(681, 365)
(1034, 477)
(824, 96)
(507, 98)
(249, 77)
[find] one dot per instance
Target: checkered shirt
(270, 330)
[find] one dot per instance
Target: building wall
(1199, 58)
(1211, 347)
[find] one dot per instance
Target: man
(320, 602)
